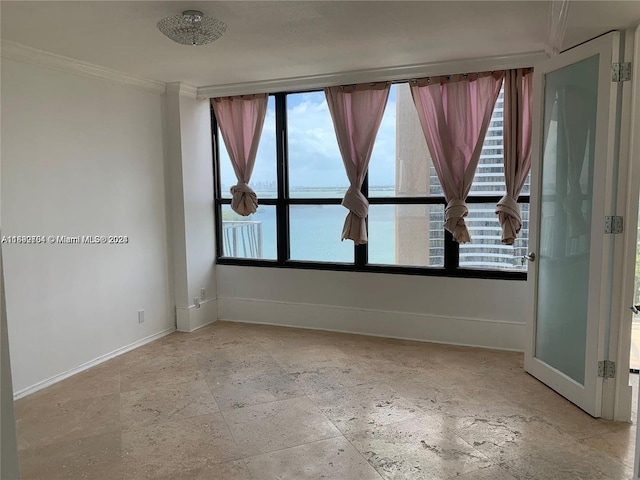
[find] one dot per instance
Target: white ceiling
(272, 40)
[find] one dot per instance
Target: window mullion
(451, 252)
(282, 207)
(217, 189)
(361, 252)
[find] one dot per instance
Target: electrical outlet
(202, 294)
(140, 316)
(196, 302)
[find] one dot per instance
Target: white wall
(9, 467)
(197, 170)
(191, 186)
(481, 312)
(81, 156)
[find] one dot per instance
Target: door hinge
(606, 369)
(613, 224)
(621, 72)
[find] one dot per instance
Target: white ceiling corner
(275, 41)
(33, 56)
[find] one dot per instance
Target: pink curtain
(518, 86)
(455, 112)
(356, 111)
(241, 120)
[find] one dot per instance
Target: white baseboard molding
(85, 366)
(624, 411)
(472, 332)
(211, 322)
(192, 318)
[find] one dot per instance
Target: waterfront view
(400, 166)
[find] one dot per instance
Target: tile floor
(237, 401)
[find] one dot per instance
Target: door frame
(617, 393)
(589, 397)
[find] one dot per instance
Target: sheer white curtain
(356, 111)
(241, 120)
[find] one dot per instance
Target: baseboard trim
(85, 366)
(191, 318)
(203, 325)
(471, 332)
(202, 302)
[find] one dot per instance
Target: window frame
(282, 203)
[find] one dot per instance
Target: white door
(572, 192)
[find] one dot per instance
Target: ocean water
(316, 231)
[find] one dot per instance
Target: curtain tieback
(456, 208)
(454, 214)
(509, 217)
(356, 202)
(509, 206)
(244, 200)
(241, 187)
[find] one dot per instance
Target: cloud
(314, 156)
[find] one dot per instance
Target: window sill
(372, 268)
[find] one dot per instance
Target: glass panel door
(573, 171)
(565, 220)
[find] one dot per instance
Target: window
(264, 179)
(317, 182)
(300, 182)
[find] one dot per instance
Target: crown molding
(405, 72)
(556, 26)
(182, 89)
(33, 56)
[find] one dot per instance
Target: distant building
(419, 226)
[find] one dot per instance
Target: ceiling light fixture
(192, 28)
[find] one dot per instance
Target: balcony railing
(242, 239)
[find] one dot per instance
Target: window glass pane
(263, 179)
(315, 232)
(486, 250)
(400, 162)
(315, 165)
(489, 177)
(406, 235)
(382, 166)
(249, 237)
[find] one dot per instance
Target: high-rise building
(419, 226)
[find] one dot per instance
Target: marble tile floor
(237, 401)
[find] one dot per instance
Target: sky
(314, 157)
